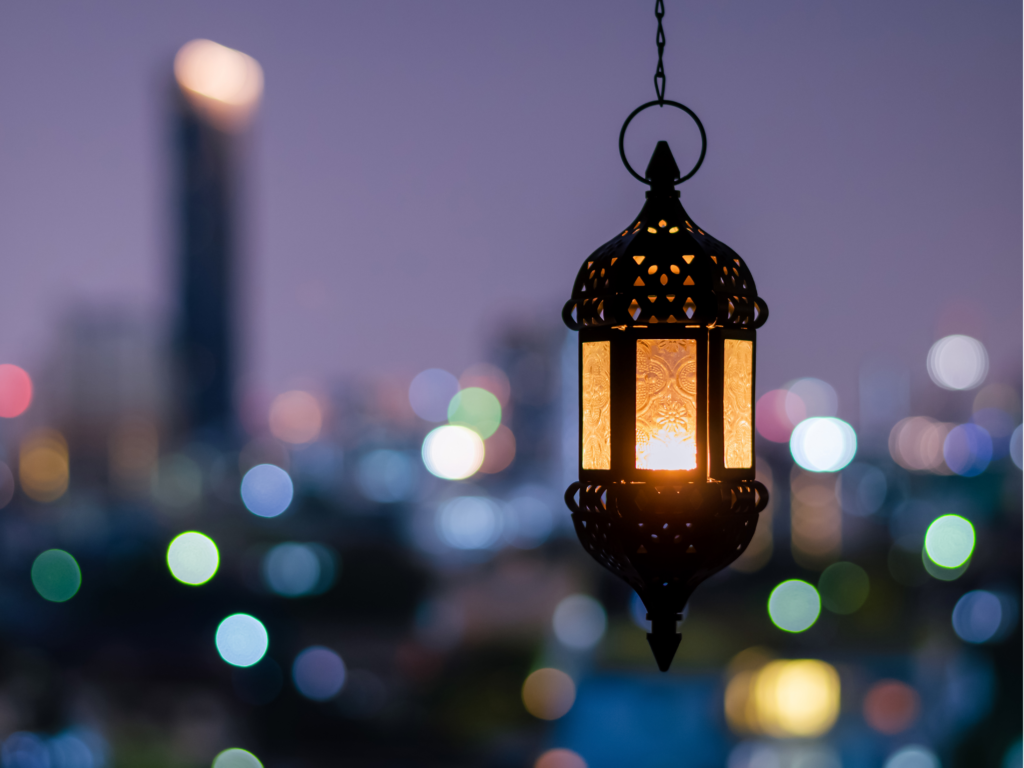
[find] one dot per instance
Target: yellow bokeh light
(783, 699)
(220, 82)
(43, 465)
(296, 417)
(548, 693)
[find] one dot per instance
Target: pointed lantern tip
(662, 170)
(664, 646)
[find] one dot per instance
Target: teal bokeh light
(56, 576)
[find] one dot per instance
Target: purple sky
(422, 172)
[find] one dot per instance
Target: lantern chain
(659, 74)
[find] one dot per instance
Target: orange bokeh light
(891, 707)
(560, 758)
(15, 391)
(296, 417)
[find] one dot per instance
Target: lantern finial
(662, 171)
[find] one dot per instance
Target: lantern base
(665, 540)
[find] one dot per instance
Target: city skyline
(415, 181)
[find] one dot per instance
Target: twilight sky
(423, 173)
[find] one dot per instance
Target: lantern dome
(663, 268)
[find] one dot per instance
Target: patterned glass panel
(738, 404)
(597, 404)
(666, 404)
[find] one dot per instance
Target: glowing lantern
(666, 316)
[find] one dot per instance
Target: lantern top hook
(648, 179)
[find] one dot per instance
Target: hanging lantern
(666, 316)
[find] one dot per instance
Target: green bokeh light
(236, 758)
(844, 587)
(477, 409)
(949, 541)
(193, 558)
(794, 605)
(56, 575)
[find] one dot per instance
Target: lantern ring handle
(677, 105)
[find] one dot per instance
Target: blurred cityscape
(383, 572)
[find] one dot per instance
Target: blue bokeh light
(967, 450)
(267, 490)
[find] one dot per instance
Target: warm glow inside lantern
(666, 316)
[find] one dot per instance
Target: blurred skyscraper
(218, 90)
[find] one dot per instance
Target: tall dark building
(217, 89)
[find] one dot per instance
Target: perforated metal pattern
(664, 269)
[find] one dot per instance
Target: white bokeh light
(241, 640)
(958, 362)
(823, 444)
(579, 622)
(192, 558)
(913, 756)
(453, 453)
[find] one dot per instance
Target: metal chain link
(659, 75)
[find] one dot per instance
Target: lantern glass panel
(738, 404)
(597, 405)
(666, 404)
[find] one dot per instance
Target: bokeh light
(24, 750)
(236, 758)
(823, 444)
(292, 569)
(794, 605)
(476, 409)
(861, 489)
(56, 576)
(296, 417)
(949, 541)
(1017, 446)
(782, 699)
(430, 392)
(978, 616)
(241, 640)
(489, 377)
(957, 362)
(43, 466)
(560, 758)
(797, 698)
(771, 415)
(579, 622)
(469, 522)
(499, 451)
(844, 587)
(548, 693)
(452, 452)
(192, 558)
(218, 72)
(386, 476)
(15, 391)
(891, 706)
(913, 756)
(916, 443)
(813, 397)
(267, 490)
(318, 673)
(967, 450)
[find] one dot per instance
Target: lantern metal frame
(665, 531)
